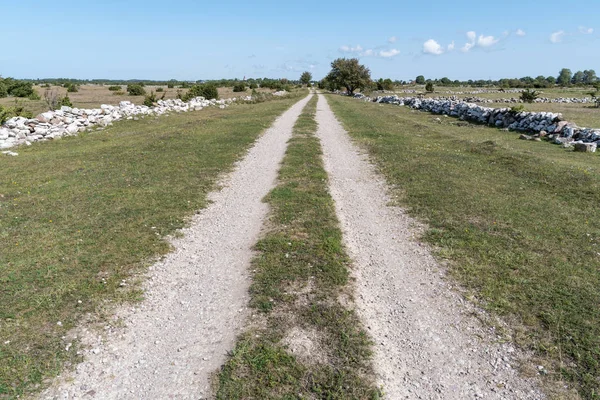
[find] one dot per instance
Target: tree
(420, 80)
(349, 74)
(305, 78)
(564, 77)
(385, 84)
(589, 77)
(429, 86)
(577, 78)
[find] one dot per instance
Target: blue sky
(226, 39)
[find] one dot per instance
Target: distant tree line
(565, 78)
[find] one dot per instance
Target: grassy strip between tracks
(303, 343)
(79, 215)
(518, 223)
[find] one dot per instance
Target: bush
(20, 89)
(119, 93)
(150, 99)
(207, 90)
(18, 110)
(72, 88)
(114, 88)
(429, 87)
(253, 85)
(528, 96)
(3, 90)
(160, 89)
(240, 87)
(170, 85)
(135, 90)
(34, 96)
(65, 101)
(517, 109)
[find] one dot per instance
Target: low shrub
(18, 110)
(114, 88)
(207, 90)
(136, 90)
(150, 99)
(517, 109)
(3, 90)
(529, 96)
(65, 101)
(20, 88)
(253, 85)
(429, 87)
(72, 88)
(119, 93)
(239, 87)
(170, 85)
(160, 89)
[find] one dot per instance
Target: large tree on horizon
(305, 78)
(348, 73)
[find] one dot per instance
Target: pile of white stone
(560, 100)
(541, 124)
(70, 121)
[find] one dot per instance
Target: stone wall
(70, 121)
(540, 124)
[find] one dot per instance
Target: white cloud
(586, 31)
(367, 53)
(389, 53)
(349, 49)
(432, 47)
(451, 46)
(486, 41)
(471, 35)
(520, 32)
(393, 39)
(467, 47)
(556, 37)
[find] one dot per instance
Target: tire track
(196, 298)
(428, 344)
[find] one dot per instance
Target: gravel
(195, 298)
(428, 343)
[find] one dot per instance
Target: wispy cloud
(350, 49)
(586, 31)
(520, 32)
(392, 39)
(358, 50)
(451, 46)
(556, 37)
(486, 41)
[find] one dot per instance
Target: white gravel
(428, 344)
(196, 298)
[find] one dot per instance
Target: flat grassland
(92, 96)
(517, 222)
(80, 215)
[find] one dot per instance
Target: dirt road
(427, 344)
(196, 298)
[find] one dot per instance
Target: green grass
(80, 214)
(300, 272)
(517, 221)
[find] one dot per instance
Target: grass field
(300, 273)
(79, 215)
(516, 221)
(92, 96)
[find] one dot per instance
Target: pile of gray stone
(559, 100)
(70, 121)
(540, 124)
